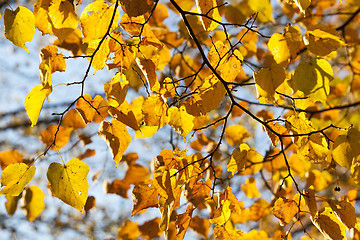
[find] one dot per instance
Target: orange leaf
(87, 107)
(144, 196)
(182, 222)
(62, 136)
(9, 157)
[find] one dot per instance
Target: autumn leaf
(19, 26)
(130, 230)
(116, 137)
(154, 110)
(99, 14)
(345, 148)
(117, 88)
(267, 81)
(250, 189)
(285, 210)
(9, 157)
(62, 136)
(329, 225)
(182, 222)
(34, 202)
(313, 79)
(238, 159)
(180, 120)
(68, 182)
(12, 203)
(236, 134)
(200, 225)
(144, 196)
(34, 102)
(134, 8)
(210, 9)
(222, 214)
(87, 107)
(227, 232)
(14, 178)
(345, 211)
(322, 40)
(150, 229)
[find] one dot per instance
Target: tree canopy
(257, 102)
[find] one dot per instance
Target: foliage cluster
(213, 76)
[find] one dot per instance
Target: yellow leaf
(346, 148)
(303, 5)
(134, 8)
(293, 39)
(34, 102)
(97, 14)
(222, 214)
(42, 20)
(73, 119)
(68, 182)
(313, 148)
(200, 225)
(227, 232)
(116, 137)
(132, 25)
(313, 79)
(210, 9)
(116, 89)
(144, 196)
(183, 221)
(154, 110)
(148, 68)
(268, 80)
(11, 203)
(250, 189)
(62, 15)
(181, 121)
(232, 67)
(345, 211)
(15, 177)
(130, 230)
(322, 40)
(34, 202)
(87, 107)
(211, 94)
(57, 61)
(279, 48)
(19, 26)
(329, 225)
(9, 157)
(285, 210)
(150, 39)
(264, 9)
(236, 134)
(101, 56)
(238, 159)
(124, 115)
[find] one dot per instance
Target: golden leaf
(144, 195)
(34, 102)
(116, 137)
(183, 221)
(322, 40)
(9, 157)
(210, 9)
(284, 210)
(62, 136)
(34, 202)
(236, 134)
(329, 225)
(19, 26)
(181, 121)
(268, 80)
(134, 8)
(345, 211)
(250, 189)
(68, 182)
(87, 107)
(97, 14)
(238, 159)
(15, 177)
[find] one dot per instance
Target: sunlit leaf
(238, 159)
(144, 196)
(9, 157)
(19, 26)
(68, 182)
(209, 8)
(62, 136)
(34, 102)
(236, 134)
(15, 177)
(98, 14)
(182, 222)
(329, 225)
(181, 121)
(345, 211)
(250, 189)
(285, 210)
(87, 107)
(134, 8)
(116, 137)
(34, 202)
